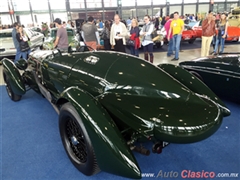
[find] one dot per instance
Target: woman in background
(134, 35)
(222, 27)
(106, 36)
(23, 42)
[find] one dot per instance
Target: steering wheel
(86, 48)
(57, 53)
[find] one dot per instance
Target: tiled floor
(161, 57)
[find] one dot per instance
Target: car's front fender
(12, 74)
(112, 153)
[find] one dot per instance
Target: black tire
(76, 141)
(158, 45)
(191, 41)
(197, 75)
(10, 92)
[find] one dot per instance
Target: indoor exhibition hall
(119, 89)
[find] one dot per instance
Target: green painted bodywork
(122, 99)
(220, 73)
(11, 72)
(111, 150)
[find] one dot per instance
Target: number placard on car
(91, 59)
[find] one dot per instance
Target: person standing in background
(170, 42)
(176, 29)
(100, 24)
(222, 27)
(208, 30)
(61, 41)
(23, 42)
(147, 38)
(69, 24)
(15, 42)
(89, 33)
(134, 35)
(106, 36)
(118, 34)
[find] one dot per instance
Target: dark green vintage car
(110, 103)
(220, 73)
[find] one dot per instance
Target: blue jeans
(134, 51)
(221, 41)
(25, 54)
(170, 47)
(18, 54)
(176, 42)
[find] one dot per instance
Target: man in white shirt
(118, 34)
(147, 38)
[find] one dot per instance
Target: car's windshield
(5, 35)
(69, 33)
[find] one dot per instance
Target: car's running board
(45, 92)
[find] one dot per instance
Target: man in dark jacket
(15, 42)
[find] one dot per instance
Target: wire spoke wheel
(76, 140)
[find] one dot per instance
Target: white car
(7, 47)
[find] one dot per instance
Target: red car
(233, 32)
(189, 34)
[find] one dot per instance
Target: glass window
(22, 5)
(158, 2)
(26, 20)
(204, 1)
(5, 19)
(128, 2)
(5, 35)
(60, 4)
(39, 6)
(203, 8)
(77, 4)
(189, 1)
(189, 9)
(94, 3)
(143, 3)
(62, 16)
(219, 1)
(232, 0)
(141, 13)
(175, 9)
(175, 1)
(231, 6)
(128, 13)
(4, 6)
(218, 7)
(110, 3)
(42, 18)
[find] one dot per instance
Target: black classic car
(110, 103)
(220, 73)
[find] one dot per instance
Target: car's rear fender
(112, 153)
(194, 84)
(12, 74)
